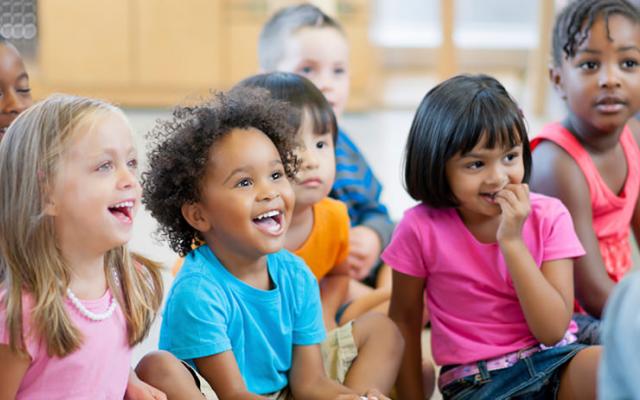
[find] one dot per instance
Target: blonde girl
(72, 299)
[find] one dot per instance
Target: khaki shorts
(338, 352)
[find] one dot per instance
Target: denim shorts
(588, 329)
(535, 377)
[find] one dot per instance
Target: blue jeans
(588, 329)
(535, 377)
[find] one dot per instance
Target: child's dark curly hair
(574, 22)
(180, 146)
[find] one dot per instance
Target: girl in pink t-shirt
(72, 299)
(495, 261)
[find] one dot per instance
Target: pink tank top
(611, 213)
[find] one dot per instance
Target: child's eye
(475, 165)
(133, 164)
(277, 175)
(511, 156)
(105, 166)
(24, 91)
(321, 144)
(339, 71)
(306, 70)
(244, 182)
(588, 65)
(629, 63)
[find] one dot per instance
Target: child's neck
(251, 270)
(593, 140)
(300, 227)
(485, 229)
(88, 280)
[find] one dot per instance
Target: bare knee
(379, 329)
(157, 366)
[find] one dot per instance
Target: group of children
(292, 283)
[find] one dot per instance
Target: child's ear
(49, 204)
(195, 217)
(555, 76)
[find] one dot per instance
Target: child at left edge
(73, 299)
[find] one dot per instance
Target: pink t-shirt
(475, 312)
(98, 370)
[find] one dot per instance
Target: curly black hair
(574, 22)
(180, 148)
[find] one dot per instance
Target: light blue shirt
(210, 311)
(620, 362)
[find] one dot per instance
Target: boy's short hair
(453, 118)
(180, 151)
(285, 23)
(574, 22)
(303, 97)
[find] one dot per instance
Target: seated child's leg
(588, 329)
(357, 289)
(383, 280)
(163, 371)
(578, 380)
(380, 346)
(375, 300)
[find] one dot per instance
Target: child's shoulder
(330, 208)
(287, 265)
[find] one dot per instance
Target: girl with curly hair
(244, 313)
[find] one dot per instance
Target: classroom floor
(380, 134)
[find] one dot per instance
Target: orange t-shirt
(328, 242)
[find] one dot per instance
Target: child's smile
(123, 211)
(270, 222)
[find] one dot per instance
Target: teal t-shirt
(210, 311)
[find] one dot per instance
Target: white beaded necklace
(88, 313)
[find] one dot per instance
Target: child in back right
(494, 261)
(244, 313)
(304, 40)
(590, 159)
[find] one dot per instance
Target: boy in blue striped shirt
(304, 40)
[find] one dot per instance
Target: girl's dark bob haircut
(453, 118)
(302, 96)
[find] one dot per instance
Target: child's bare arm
(223, 374)
(12, 369)
(406, 311)
(634, 125)
(333, 292)
(545, 294)
(308, 380)
(556, 174)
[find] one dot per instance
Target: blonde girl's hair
(30, 260)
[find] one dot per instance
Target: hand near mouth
(516, 206)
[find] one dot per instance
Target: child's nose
(309, 159)
(497, 176)
(609, 77)
(127, 179)
(12, 103)
(267, 192)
